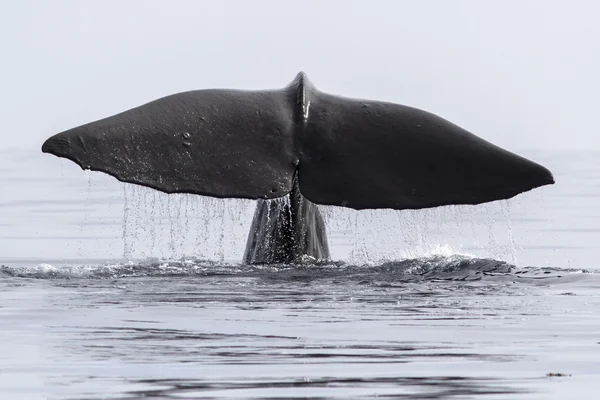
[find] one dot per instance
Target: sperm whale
(293, 149)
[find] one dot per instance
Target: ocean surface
(113, 291)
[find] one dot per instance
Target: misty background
(522, 74)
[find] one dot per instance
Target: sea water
(110, 290)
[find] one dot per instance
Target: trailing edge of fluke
(253, 144)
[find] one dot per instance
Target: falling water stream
(178, 225)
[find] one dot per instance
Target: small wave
(439, 267)
(144, 268)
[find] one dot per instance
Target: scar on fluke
(303, 144)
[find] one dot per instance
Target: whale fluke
(367, 154)
(345, 152)
(221, 143)
(302, 144)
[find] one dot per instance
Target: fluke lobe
(302, 144)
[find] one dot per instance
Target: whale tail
(345, 152)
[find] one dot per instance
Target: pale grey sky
(522, 74)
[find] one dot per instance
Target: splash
(451, 268)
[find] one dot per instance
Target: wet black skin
(301, 144)
(286, 230)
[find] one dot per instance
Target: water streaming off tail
(176, 225)
(137, 222)
(374, 235)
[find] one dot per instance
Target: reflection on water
(428, 388)
(438, 328)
